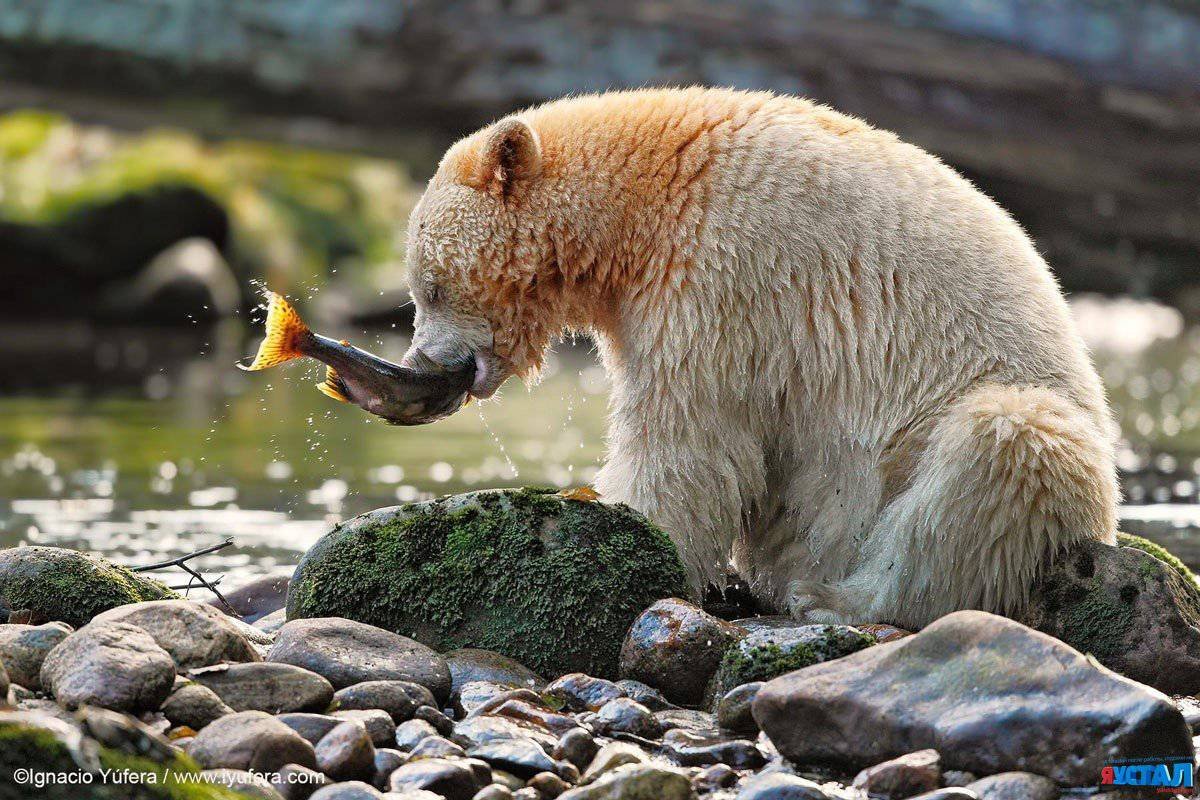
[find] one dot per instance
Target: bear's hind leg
(1009, 477)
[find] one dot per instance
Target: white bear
(834, 362)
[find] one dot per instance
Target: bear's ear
(511, 154)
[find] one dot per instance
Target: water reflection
(145, 444)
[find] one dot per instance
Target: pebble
(957, 793)
(251, 740)
(350, 790)
(733, 710)
(693, 749)
(577, 747)
(645, 694)
(195, 634)
(553, 722)
(400, 699)
(712, 778)
(265, 686)
(440, 722)
(347, 652)
(378, 723)
(611, 756)
(581, 692)
(194, 705)
(521, 757)
(295, 782)
(472, 696)
(410, 734)
(909, 774)
(676, 647)
(548, 785)
(685, 718)
(111, 665)
(312, 727)
(436, 747)
(635, 781)
(454, 779)
(387, 760)
(494, 792)
(23, 648)
(957, 777)
(270, 623)
(780, 786)
(346, 752)
(623, 715)
(1014, 786)
(470, 664)
(527, 793)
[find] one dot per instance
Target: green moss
(1098, 622)
(768, 654)
(23, 746)
(1159, 552)
(553, 583)
(71, 586)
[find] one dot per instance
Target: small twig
(197, 580)
(178, 562)
(193, 585)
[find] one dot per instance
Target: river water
(144, 444)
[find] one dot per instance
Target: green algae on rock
(550, 581)
(49, 745)
(70, 586)
(1136, 612)
(771, 652)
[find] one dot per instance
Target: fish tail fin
(285, 330)
(333, 386)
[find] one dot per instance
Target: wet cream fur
(833, 360)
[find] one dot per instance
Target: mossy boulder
(70, 586)
(770, 652)
(47, 745)
(1134, 607)
(550, 581)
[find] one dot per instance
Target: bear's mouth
(490, 371)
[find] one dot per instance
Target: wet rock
(346, 753)
(271, 623)
(311, 727)
(580, 692)
(452, 778)
(958, 777)
(676, 647)
(733, 710)
(437, 747)
(647, 695)
(69, 586)
(470, 664)
(912, 773)
(195, 634)
(549, 581)
(23, 648)
(1014, 786)
(440, 722)
(623, 715)
(496, 700)
(780, 786)
(521, 757)
(987, 693)
(378, 723)
(771, 652)
(473, 696)
(487, 728)
(194, 705)
(347, 652)
(686, 719)
(295, 782)
(111, 665)
(350, 790)
(611, 756)
(633, 782)
(243, 782)
(765, 622)
(548, 785)
(410, 734)
(251, 740)
(494, 792)
(1135, 613)
(400, 699)
(387, 760)
(550, 721)
(717, 776)
(689, 749)
(253, 600)
(577, 747)
(954, 793)
(266, 686)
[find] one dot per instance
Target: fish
(399, 394)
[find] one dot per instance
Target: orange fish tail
(285, 331)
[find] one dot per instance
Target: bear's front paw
(813, 602)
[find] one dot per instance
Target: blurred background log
(1081, 116)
